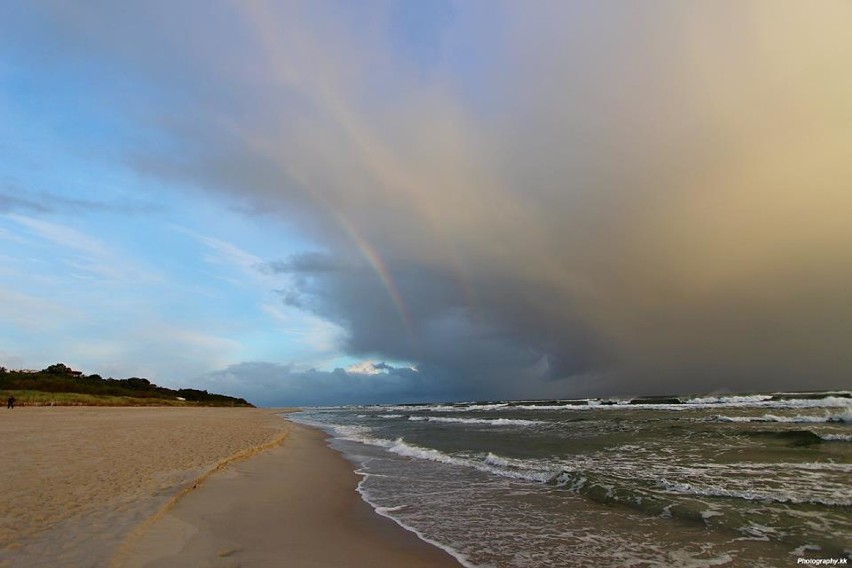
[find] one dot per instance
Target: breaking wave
(751, 495)
(845, 417)
(487, 421)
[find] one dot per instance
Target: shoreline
(295, 503)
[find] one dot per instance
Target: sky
(307, 203)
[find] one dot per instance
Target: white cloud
(63, 236)
(365, 368)
(35, 313)
(88, 257)
(230, 254)
(223, 252)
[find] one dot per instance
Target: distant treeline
(61, 378)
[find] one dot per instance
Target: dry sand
(74, 481)
(132, 487)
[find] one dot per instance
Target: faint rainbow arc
(260, 17)
(378, 265)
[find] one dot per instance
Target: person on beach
(10, 403)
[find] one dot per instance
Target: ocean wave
(757, 468)
(652, 487)
(755, 401)
(729, 400)
(514, 469)
(458, 407)
(345, 432)
(491, 463)
(474, 407)
(400, 447)
(794, 438)
(824, 402)
(751, 495)
(613, 490)
(487, 421)
(495, 460)
(798, 419)
(548, 407)
(825, 399)
(836, 437)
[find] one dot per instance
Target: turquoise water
(757, 480)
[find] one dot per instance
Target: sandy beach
(76, 480)
(133, 487)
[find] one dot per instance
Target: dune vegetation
(60, 385)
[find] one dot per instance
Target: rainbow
(259, 16)
(371, 255)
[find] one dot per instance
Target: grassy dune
(42, 398)
(60, 385)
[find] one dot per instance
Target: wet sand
(133, 487)
(292, 506)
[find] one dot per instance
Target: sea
(759, 480)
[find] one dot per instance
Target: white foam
(514, 469)
(827, 402)
(494, 459)
(391, 509)
(474, 407)
(753, 495)
(729, 400)
(487, 421)
(836, 437)
(800, 551)
(736, 401)
(400, 447)
(385, 512)
(720, 418)
(552, 407)
(444, 407)
(828, 466)
(760, 532)
(716, 401)
(798, 419)
(843, 416)
(492, 463)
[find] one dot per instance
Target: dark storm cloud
(576, 198)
